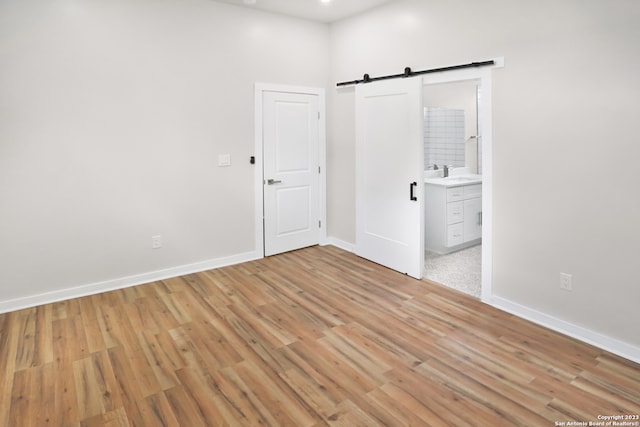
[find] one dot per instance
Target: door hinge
(318, 115)
(318, 169)
(319, 224)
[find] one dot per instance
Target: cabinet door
(472, 219)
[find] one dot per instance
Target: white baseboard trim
(123, 282)
(349, 247)
(599, 340)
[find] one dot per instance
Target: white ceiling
(313, 10)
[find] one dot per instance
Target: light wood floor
(313, 337)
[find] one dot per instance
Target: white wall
(566, 148)
(112, 115)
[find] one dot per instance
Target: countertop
(454, 180)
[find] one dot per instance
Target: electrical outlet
(566, 281)
(156, 242)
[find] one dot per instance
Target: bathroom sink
(456, 180)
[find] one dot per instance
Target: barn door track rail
(410, 73)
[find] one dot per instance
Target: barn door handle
(411, 187)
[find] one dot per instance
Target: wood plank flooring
(313, 337)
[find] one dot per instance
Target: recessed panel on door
(293, 205)
(292, 127)
(383, 192)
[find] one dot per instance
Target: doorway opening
(453, 209)
(458, 198)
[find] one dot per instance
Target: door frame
(484, 75)
(259, 90)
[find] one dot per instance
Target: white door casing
(389, 167)
(291, 174)
(484, 75)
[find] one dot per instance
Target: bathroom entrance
(453, 185)
(457, 180)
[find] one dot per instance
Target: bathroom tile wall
(444, 137)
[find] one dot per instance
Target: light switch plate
(566, 280)
(224, 159)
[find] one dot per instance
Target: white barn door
(389, 174)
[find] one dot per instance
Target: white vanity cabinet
(453, 216)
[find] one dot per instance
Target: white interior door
(291, 171)
(389, 170)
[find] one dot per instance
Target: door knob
(273, 181)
